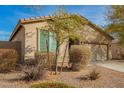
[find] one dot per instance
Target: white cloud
(4, 35)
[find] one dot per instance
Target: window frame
(39, 41)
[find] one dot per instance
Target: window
(50, 38)
(43, 40)
(52, 42)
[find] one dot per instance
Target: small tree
(116, 19)
(65, 26)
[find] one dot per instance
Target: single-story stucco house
(32, 39)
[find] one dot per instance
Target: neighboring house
(32, 39)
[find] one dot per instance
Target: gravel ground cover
(108, 79)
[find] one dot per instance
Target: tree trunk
(48, 58)
(64, 57)
(56, 65)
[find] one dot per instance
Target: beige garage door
(99, 52)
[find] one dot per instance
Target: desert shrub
(91, 76)
(34, 72)
(43, 56)
(40, 57)
(79, 56)
(38, 69)
(122, 56)
(51, 85)
(94, 75)
(76, 66)
(9, 59)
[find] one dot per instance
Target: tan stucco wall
(31, 39)
(88, 32)
(92, 35)
(64, 51)
(28, 37)
(20, 36)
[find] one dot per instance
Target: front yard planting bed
(108, 79)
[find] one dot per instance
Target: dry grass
(109, 79)
(9, 59)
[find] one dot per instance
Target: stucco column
(109, 55)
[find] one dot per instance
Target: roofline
(98, 28)
(15, 30)
(42, 18)
(26, 21)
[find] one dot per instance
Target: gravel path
(109, 79)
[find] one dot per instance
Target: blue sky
(9, 15)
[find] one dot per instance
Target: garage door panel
(99, 52)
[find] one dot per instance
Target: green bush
(9, 59)
(80, 56)
(51, 85)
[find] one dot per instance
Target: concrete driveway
(117, 65)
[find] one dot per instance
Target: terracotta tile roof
(34, 19)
